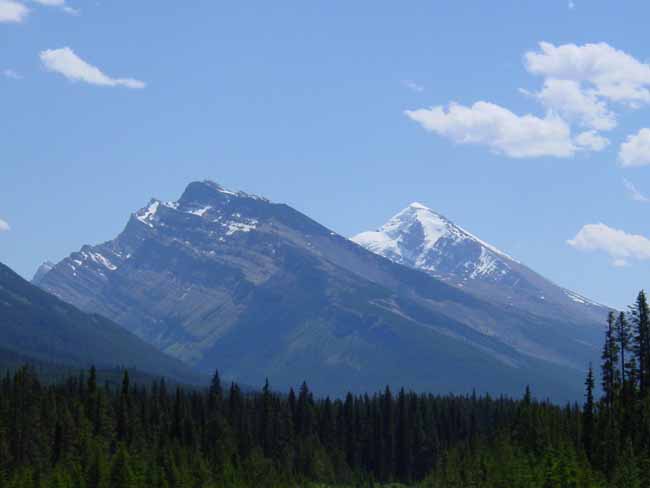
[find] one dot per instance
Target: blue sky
(342, 110)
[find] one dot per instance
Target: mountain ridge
(231, 280)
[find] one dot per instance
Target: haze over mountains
(230, 280)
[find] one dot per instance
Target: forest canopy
(79, 433)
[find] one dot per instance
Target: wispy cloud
(634, 193)
(618, 244)
(4, 226)
(10, 73)
(65, 62)
(571, 5)
(413, 86)
(12, 11)
(60, 4)
(635, 151)
(15, 11)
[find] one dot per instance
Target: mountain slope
(422, 239)
(38, 325)
(230, 280)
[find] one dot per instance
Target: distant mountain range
(230, 280)
(39, 328)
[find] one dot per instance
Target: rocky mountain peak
(209, 192)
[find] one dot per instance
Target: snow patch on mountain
(147, 214)
(486, 265)
(580, 299)
(232, 193)
(200, 211)
(233, 227)
(99, 259)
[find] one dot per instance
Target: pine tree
(404, 451)
(388, 443)
(215, 392)
(588, 415)
(92, 380)
(123, 410)
(267, 421)
(610, 376)
(641, 319)
(624, 338)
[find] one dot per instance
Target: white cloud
(10, 73)
(413, 86)
(567, 98)
(591, 141)
(67, 63)
(580, 82)
(619, 245)
(12, 11)
(634, 193)
(635, 151)
(4, 226)
(572, 5)
(498, 128)
(584, 86)
(612, 74)
(58, 3)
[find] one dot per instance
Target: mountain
(230, 280)
(39, 326)
(422, 239)
(42, 270)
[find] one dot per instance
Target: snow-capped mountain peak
(419, 206)
(421, 238)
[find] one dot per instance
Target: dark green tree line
(80, 434)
